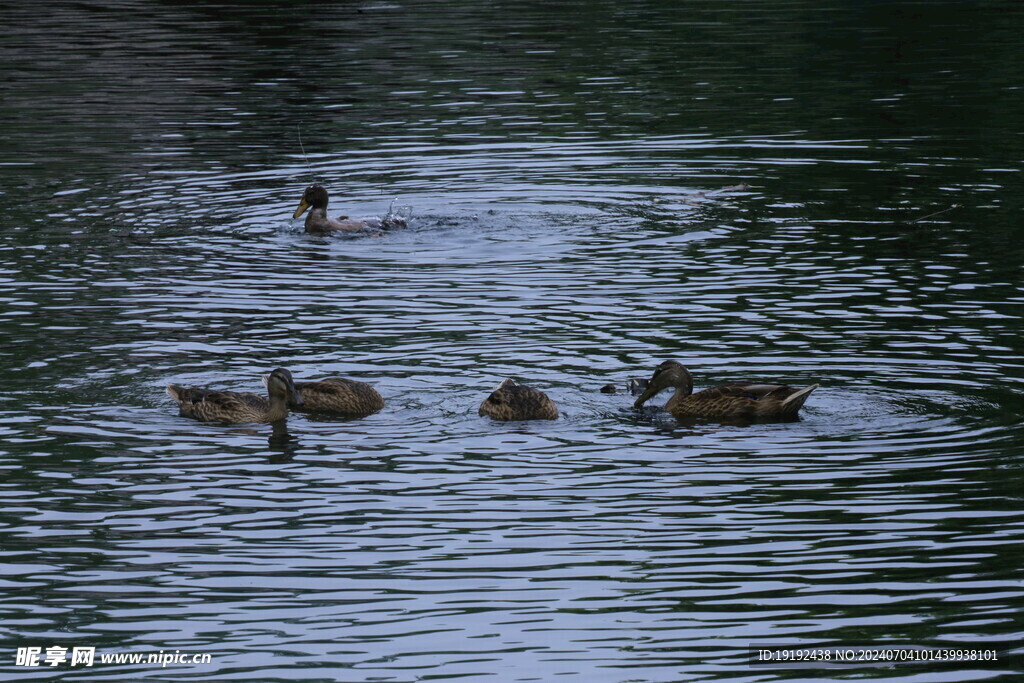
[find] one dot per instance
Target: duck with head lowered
(725, 402)
(511, 402)
(235, 407)
(318, 222)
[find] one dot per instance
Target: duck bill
(296, 398)
(303, 205)
(650, 391)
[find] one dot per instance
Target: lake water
(564, 167)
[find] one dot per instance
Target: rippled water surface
(593, 188)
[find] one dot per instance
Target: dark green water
(562, 163)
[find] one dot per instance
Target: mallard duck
(729, 401)
(339, 396)
(239, 407)
(319, 222)
(511, 401)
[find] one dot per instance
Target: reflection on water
(589, 195)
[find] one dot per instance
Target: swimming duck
(736, 401)
(511, 401)
(318, 222)
(339, 396)
(239, 407)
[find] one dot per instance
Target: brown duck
(318, 222)
(728, 401)
(511, 401)
(338, 396)
(239, 407)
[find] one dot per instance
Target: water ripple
(575, 219)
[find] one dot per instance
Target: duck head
(281, 384)
(669, 374)
(315, 196)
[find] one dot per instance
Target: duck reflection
(283, 445)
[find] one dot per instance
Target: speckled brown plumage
(511, 401)
(318, 222)
(728, 401)
(339, 396)
(236, 407)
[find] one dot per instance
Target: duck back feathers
(339, 396)
(742, 401)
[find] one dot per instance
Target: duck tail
(175, 392)
(795, 401)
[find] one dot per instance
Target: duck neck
(684, 387)
(278, 408)
(313, 218)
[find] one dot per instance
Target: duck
(318, 222)
(338, 396)
(234, 407)
(728, 401)
(511, 401)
